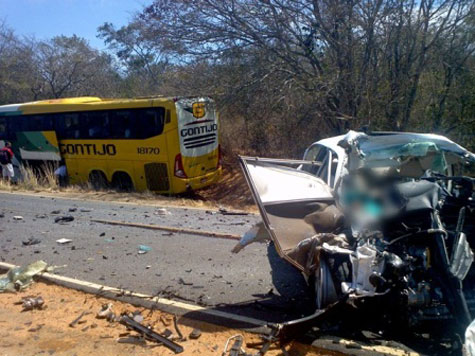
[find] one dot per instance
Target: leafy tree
(140, 59)
(69, 66)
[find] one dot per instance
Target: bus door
(198, 135)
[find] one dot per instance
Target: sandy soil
(47, 331)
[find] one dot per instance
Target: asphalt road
(198, 269)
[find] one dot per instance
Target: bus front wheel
(98, 180)
(122, 182)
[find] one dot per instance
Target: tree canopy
(284, 72)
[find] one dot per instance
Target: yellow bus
(165, 145)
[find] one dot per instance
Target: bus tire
(98, 180)
(122, 182)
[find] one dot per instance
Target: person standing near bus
(61, 174)
(6, 156)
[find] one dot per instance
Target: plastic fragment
(144, 249)
(63, 241)
(18, 278)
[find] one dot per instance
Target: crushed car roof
(394, 149)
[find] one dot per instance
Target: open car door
(286, 197)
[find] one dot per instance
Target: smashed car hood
(411, 154)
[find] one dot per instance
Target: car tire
(324, 286)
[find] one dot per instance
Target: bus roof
(77, 103)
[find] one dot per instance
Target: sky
(44, 19)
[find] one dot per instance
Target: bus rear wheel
(98, 180)
(122, 182)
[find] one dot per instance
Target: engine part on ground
(30, 303)
(176, 348)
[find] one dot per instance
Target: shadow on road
(289, 298)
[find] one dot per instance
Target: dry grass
(232, 190)
(30, 180)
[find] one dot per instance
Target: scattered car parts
(176, 348)
(30, 303)
(19, 278)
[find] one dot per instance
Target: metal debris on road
(182, 281)
(134, 340)
(65, 218)
(31, 241)
(164, 320)
(177, 329)
(63, 241)
(162, 211)
(76, 321)
(112, 318)
(30, 303)
(230, 212)
(195, 334)
(137, 316)
(105, 311)
(176, 348)
(236, 349)
(19, 278)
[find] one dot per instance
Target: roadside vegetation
(31, 180)
(284, 73)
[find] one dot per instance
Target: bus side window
(72, 125)
(47, 123)
(59, 125)
(38, 123)
(3, 128)
(150, 122)
(96, 124)
(67, 125)
(122, 124)
(16, 124)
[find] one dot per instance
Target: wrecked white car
(382, 222)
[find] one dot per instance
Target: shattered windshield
(409, 154)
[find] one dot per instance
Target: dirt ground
(47, 331)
